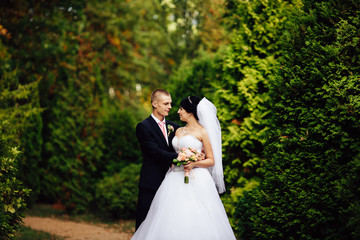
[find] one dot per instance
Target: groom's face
(162, 105)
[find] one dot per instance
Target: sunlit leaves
(313, 133)
(13, 194)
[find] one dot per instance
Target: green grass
(26, 233)
(45, 210)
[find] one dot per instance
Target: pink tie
(162, 126)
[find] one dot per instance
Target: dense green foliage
(19, 117)
(12, 191)
(116, 195)
(193, 78)
(349, 192)
(19, 103)
(241, 90)
(309, 188)
(242, 87)
(76, 77)
(90, 67)
(236, 79)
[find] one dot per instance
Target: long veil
(206, 112)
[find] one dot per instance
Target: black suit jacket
(157, 154)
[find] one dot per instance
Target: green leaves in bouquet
(179, 163)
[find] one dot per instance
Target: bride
(194, 210)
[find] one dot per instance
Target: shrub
(349, 194)
(314, 134)
(118, 137)
(116, 195)
(241, 91)
(12, 191)
(19, 104)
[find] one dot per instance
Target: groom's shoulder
(145, 122)
(143, 126)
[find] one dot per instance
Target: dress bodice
(186, 141)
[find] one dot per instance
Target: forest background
(76, 77)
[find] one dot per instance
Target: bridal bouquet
(185, 155)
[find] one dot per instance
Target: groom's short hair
(156, 93)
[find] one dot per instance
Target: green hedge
(12, 191)
(241, 91)
(311, 178)
(116, 195)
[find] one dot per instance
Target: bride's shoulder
(201, 132)
(178, 130)
(202, 129)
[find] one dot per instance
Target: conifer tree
(241, 89)
(19, 104)
(314, 134)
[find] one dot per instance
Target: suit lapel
(157, 129)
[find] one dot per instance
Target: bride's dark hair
(189, 104)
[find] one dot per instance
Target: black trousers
(143, 205)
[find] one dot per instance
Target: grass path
(76, 230)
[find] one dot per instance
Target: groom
(154, 135)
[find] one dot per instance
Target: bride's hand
(189, 165)
(202, 155)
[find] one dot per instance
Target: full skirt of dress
(180, 211)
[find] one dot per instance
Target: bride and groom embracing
(169, 209)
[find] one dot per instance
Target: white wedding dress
(180, 211)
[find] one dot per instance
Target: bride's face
(183, 114)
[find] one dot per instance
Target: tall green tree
(19, 104)
(92, 65)
(194, 78)
(236, 79)
(241, 89)
(180, 31)
(71, 63)
(191, 25)
(314, 133)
